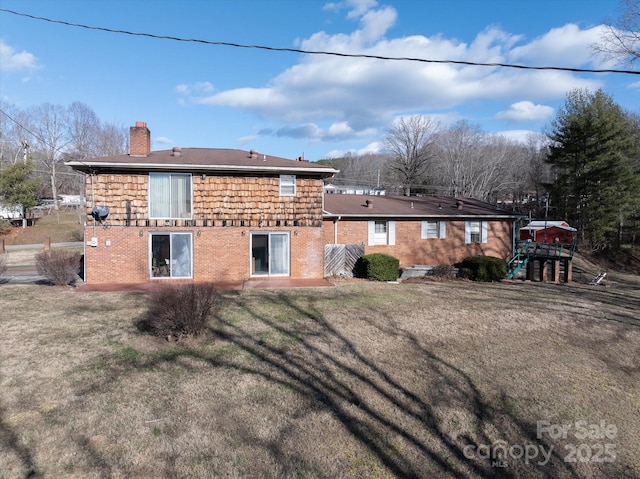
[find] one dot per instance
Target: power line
(313, 52)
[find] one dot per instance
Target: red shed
(556, 232)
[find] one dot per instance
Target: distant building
(331, 189)
(548, 232)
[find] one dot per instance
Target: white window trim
(288, 181)
(269, 234)
(484, 232)
(190, 214)
(371, 233)
(170, 234)
(441, 229)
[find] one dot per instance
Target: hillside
(64, 227)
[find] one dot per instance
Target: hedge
(485, 268)
(378, 267)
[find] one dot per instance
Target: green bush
(485, 268)
(378, 267)
(177, 310)
(59, 266)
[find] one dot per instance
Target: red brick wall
(410, 249)
(220, 254)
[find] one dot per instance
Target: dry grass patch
(360, 380)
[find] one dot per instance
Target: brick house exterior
(420, 230)
(197, 214)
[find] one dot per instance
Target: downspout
(335, 229)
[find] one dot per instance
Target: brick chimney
(139, 139)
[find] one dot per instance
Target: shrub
(178, 310)
(485, 268)
(378, 267)
(3, 263)
(59, 266)
(443, 271)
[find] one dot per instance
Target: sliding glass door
(270, 254)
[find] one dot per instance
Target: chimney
(139, 140)
(459, 204)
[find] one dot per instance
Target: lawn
(364, 380)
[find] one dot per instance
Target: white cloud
(163, 140)
(245, 140)
(371, 148)
(329, 98)
(526, 111)
(635, 85)
(13, 61)
(197, 89)
(568, 46)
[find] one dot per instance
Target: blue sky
(290, 104)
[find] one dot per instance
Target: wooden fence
(340, 259)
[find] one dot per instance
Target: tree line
(35, 142)
(584, 169)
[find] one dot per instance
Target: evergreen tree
(18, 186)
(594, 153)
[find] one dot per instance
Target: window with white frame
(171, 255)
(287, 185)
(170, 195)
(433, 229)
(475, 232)
(381, 232)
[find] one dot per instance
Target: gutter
(87, 165)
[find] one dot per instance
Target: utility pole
(546, 215)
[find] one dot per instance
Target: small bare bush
(3, 263)
(443, 272)
(179, 310)
(59, 266)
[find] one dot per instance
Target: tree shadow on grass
(10, 442)
(397, 416)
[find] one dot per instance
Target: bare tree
(621, 40)
(111, 140)
(14, 138)
(409, 142)
(49, 125)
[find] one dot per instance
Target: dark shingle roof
(204, 159)
(355, 206)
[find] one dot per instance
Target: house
(201, 214)
(332, 189)
(420, 230)
(548, 232)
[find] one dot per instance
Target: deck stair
(527, 252)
